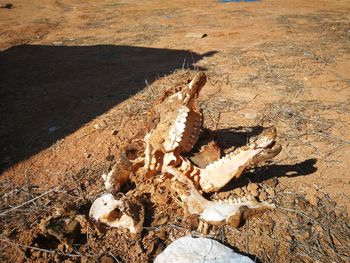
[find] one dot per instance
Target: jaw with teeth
(217, 174)
(231, 211)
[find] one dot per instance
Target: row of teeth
(180, 123)
(193, 140)
(214, 165)
(237, 200)
(228, 157)
(195, 134)
(177, 129)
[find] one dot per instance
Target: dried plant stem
(28, 202)
(45, 250)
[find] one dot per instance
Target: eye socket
(115, 215)
(104, 204)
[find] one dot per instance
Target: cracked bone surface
(117, 213)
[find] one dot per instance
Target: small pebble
(224, 195)
(288, 237)
(263, 196)
(254, 193)
(312, 198)
(110, 158)
(320, 195)
(273, 182)
(238, 192)
(318, 228)
(270, 192)
(7, 6)
(36, 254)
(306, 235)
(252, 187)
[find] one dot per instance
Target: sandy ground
(77, 77)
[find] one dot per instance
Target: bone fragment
(117, 213)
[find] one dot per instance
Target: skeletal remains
(174, 126)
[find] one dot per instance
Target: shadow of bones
(63, 87)
(269, 171)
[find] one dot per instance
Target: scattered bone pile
(173, 128)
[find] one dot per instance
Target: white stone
(199, 250)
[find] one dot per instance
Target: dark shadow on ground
(47, 92)
(228, 137)
(238, 136)
(269, 171)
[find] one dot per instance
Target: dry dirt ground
(77, 78)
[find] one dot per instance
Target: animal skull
(174, 128)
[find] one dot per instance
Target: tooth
(183, 166)
(184, 112)
(180, 125)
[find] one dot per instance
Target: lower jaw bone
(217, 174)
(123, 213)
(231, 211)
